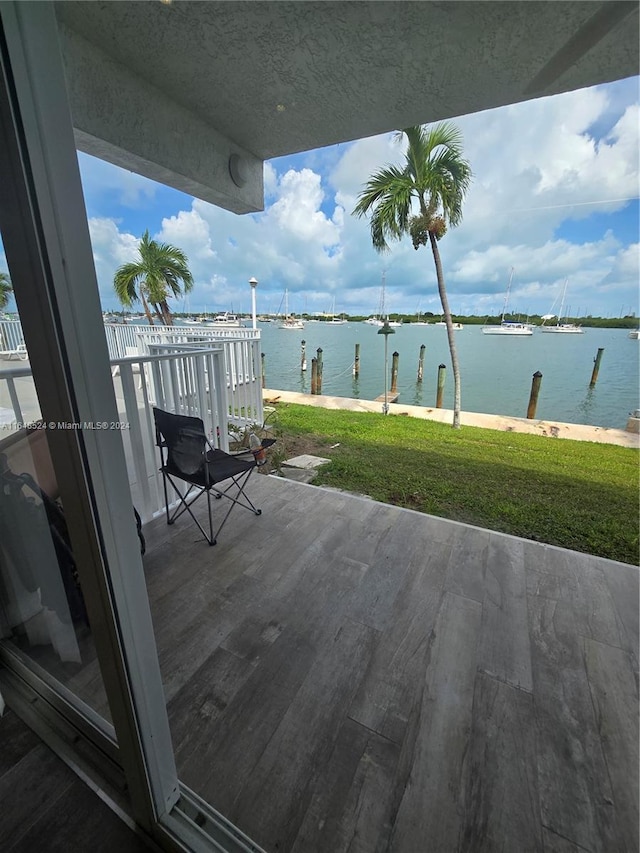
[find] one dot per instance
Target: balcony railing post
(136, 439)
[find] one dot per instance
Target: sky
(554, 197)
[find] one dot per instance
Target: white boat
(378, 319)
(289, 321)
(456, 326)
(506, 328)
(227, 320)
(188, 318)
(634, 334)
(420, 322)
(561, 328)
(336, 320)
(564, 328)
(513, 329)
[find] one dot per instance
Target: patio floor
(343, 675)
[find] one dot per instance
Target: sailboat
(418, 321)
(336, 320)
(455, 325)
(189, 319)
(378, 319)
(561, 328)
(289, 321)
(505, 327)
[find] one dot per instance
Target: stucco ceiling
(280, 77)
(179, 91)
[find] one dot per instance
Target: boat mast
(506, 298)
(564, 293)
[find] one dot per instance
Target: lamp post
(254, 283)
(385, 330)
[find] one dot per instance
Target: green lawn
(577, 495)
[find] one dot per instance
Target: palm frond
(126, 281)
(387, 195)
(6, 290)
(161, 271)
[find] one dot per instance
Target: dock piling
(319, 370)
(314, 375)
(442, 371)
(356, 362)
(533, 397)
(421, 363)
(596, 367)
(394, 373)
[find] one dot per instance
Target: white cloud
(190, 233)
(541, 170)
(297, 209)
(111, 249)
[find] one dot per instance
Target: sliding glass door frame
(43, 223)
(44, 227)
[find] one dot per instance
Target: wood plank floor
(46, 807)
(342, 675)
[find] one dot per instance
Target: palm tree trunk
(146, 308)
(166, 313)
(156, 308)
(450, 333)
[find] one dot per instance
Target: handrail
(191, 382)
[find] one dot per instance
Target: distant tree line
(628, 322)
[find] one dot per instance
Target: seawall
(551, 429)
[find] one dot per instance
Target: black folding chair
(187, 455)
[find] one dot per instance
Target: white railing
(121, 338)
(241, 361)
(12, 339)
(191, 382)
(244, 389)
(241, 349)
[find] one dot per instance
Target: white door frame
(44, 227)
(46, 237)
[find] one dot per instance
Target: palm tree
(422, 198)
(5, 290)
(160, 272)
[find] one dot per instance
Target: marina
(496, 371)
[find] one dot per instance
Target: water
(496, 372)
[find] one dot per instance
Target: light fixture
(254, 283)
(385, 330)
(238, 170)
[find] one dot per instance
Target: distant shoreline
(628, 322)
